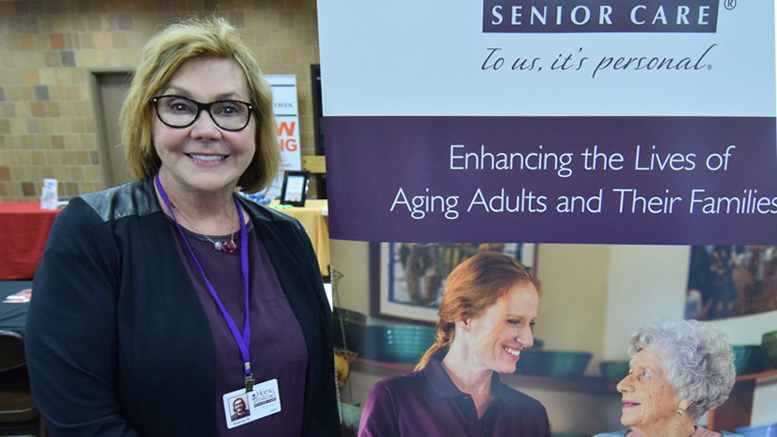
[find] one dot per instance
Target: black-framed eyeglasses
(180, 112)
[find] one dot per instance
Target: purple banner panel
(608, 180)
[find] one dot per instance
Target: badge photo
(241, 407)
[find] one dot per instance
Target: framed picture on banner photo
(731, 281)
(407, 280)
(294, 189)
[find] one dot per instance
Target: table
(24, 228)
(13, 316)
(314, 218)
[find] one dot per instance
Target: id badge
(241, 407)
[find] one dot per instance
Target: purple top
(278, 349)
(427, 403)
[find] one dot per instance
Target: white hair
(696, 357)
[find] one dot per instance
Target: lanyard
(243, 340)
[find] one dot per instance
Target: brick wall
(48, 50)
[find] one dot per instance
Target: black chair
(18, 414)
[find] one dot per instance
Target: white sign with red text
(284, 91)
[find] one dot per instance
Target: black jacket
(117, 341)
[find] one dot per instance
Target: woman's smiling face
(504, 329)
(648, 398)
(202, 157)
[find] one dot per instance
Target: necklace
(223, 246)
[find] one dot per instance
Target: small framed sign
(294, 188)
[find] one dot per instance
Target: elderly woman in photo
(485, 320)
(679, 370)
(159, 301)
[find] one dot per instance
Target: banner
(625, 122)
(284, 91)
(625, 130)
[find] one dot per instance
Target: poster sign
(622, 122)
(284, 92)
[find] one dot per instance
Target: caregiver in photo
(161, 303)
(679, 370)
(485, 320)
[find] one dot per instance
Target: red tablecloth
(24, 228)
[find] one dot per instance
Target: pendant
(225, 246)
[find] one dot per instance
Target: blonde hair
(162, 56)
(471, 288)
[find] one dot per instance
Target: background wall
(574, 281)
(50, 49)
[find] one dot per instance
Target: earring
(681, 412)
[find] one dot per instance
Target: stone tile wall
(49, 49)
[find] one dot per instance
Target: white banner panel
(407, 57)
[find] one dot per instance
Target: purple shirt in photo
(427, 403)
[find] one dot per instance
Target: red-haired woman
(485, 320)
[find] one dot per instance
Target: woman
(679, 370)
(159, 301)
(486, 318)
(239, 409)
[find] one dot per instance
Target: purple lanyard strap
(243, 340)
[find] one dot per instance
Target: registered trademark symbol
(730, 4)
(709, 67)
